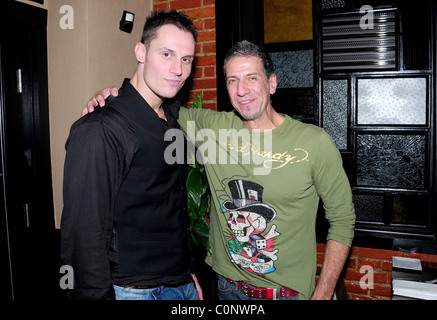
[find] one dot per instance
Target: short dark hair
(159, 18)
(247, 49)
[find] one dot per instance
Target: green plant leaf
(200, 234)
(198, 197)
(195, 188)
(197, 103)
(297, 117)
(203, 207)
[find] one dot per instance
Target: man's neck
(271, 120)
(152, 100)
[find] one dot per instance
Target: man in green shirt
(267, 173)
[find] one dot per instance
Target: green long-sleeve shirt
(265, 195)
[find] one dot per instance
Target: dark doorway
(28, 241)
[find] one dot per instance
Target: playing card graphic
(250, 246)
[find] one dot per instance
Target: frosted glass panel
(392, 101)
(397, 161)
(294, 69)
(335, 105)
(368, 207)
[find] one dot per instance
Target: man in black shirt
(124, 228)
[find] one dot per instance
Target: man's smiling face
(248, 87)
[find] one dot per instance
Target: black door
(28, 242)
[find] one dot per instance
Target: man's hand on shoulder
(99, 99)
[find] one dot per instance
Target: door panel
(30, 240)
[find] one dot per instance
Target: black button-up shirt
(124, 219)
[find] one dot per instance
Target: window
(378, 104)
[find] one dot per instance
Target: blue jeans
(228, 291)
(185, 292)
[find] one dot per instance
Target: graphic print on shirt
(251, 247)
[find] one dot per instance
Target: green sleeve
(334, 190)
(200, 118)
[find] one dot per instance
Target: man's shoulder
(104, 114)
(102, 125)
(208, 116)
(308, 128)
(105, 119)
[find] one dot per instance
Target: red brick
(377, 298)
(209, 23)
(353, 275)
(381, 290)
(209, 72)
(185, 4)
(204, 12)
(381, 278)
(375, 264)
(192, 95)
(320, 257)
(208, 35)
(198, 24)
(209, 47)
(386, 265)
(356, 275)
(208, 2)
(204, 48)
(375, 253)
(429, 258)
(210, 95)
(359, 297)
(197, 73)
(351, 263)
(212, 106)
(202, 60)
(204, 84)
(353, 252)
(354, 287)
(207, 94)
(321, 247)
(198, 51)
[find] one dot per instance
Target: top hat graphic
(247, 196)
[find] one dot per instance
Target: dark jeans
(185, 292)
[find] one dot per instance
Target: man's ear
(273, 83)
(140, 52)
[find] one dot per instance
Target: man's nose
(176, 67)
(242, 88)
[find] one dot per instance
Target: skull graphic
(250, 247)
(243, 224)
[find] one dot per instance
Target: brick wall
(205, 79)
(360, 261)
(204, 74)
